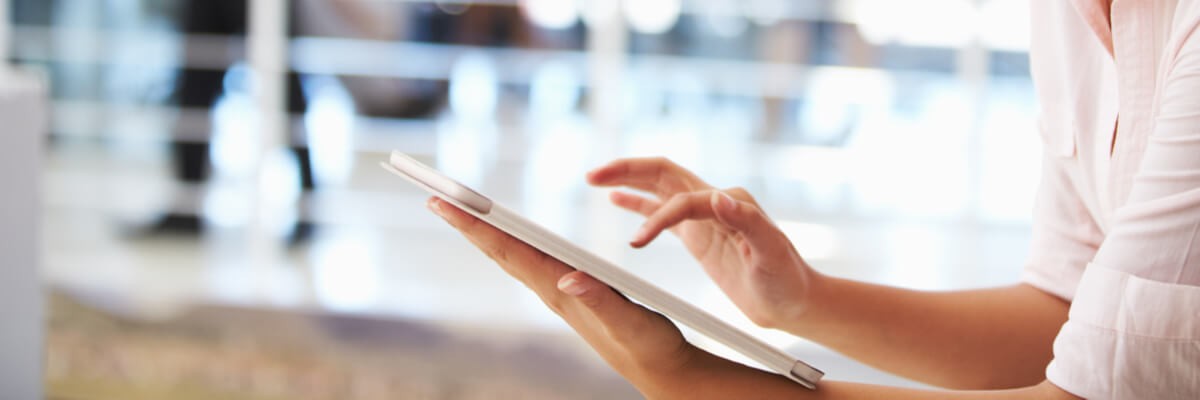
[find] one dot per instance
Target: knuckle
(627, 332)
(472, 226)
(498, 251)
(591, 300)
(677, 207)
(664, 166)
(742, 194)
(762, 319)
(543, 258)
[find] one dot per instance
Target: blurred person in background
(1109, 306)
(200, 88)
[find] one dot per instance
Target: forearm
(716, 378)
(975, 339)
(835, 390)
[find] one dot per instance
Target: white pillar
(267, 54)
(607, 47)
(267, 42)
(606, 53)
(973, 65)
(23, 109)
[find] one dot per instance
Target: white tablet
(533, 234)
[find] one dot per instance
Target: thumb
(612, 310)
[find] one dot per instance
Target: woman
(1110, 303)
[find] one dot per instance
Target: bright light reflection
(809, 164)
(235, 142)
(1010, 164)
(688, 97)
(474, 87)
(681, 144)
(723, 18)
(915, 167)
(551, 14)
(554, 91)
(226, 206)
(935, 23)
(651, 17)
(1005, 24)
(767, 12)
(278, 188)
(597, 13)
(345, 273)
(557, 162)
(329, 124)
(468, 138)
(917, 258)
(840, 95)
(642, 95)
(813, 241)
(464, 147)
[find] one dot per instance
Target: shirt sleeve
(1065, 236)
(1134, 325)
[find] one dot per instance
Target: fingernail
(640, 235)
(726, 201)
(571, 286)
(433, 205)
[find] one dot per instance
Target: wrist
(814, 305)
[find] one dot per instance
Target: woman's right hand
(748, 257)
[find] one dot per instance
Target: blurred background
(215, 224)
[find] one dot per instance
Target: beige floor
(228, 352)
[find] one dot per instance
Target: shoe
(302, 233)
(172, 224)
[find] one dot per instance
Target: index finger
(656, 175)
(535, 269)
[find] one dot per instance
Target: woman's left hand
(640, 344)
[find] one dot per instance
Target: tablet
(618, 278)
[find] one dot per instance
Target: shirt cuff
(1060, 281)
(1129, 338)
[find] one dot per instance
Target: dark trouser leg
(198, 89)
(297, 105)
(191, 161)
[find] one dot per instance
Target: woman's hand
(649, 350)
(725, 230)
(640, 344)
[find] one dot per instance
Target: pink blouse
(1117, 219)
